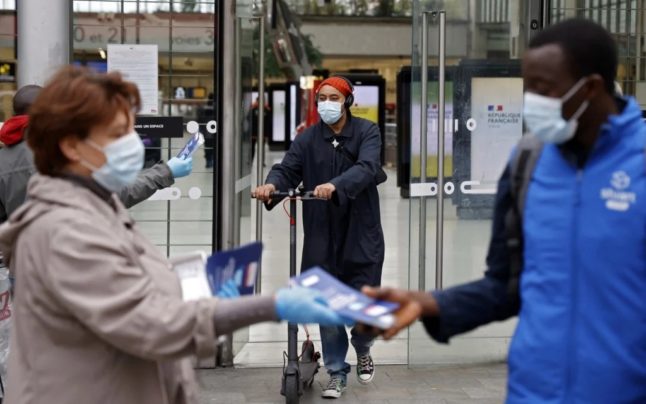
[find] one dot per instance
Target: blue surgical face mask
(124, 160)
(544, 116)
(330, 111)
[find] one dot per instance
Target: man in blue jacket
(339, 159)
(581, 334)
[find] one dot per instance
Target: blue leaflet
(346, 301)
(193, 144)
(240, 264)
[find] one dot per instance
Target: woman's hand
(229, 290)
(304, 306)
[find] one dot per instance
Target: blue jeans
(334, 341)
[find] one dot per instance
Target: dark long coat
(344, 235)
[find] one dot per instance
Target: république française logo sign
(497, 115)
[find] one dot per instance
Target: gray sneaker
(365, 369)
(335, 387)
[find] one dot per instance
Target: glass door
(247, 73)
(470, 51)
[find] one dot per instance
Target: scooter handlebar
(291, 194)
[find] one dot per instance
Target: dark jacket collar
(347, 131)
(616, 127)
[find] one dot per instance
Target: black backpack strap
(522, 166)
(345, 152)
(380, 176)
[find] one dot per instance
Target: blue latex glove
(304, 306)
(180, 167)
(229, 290)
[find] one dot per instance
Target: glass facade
(185, 37)
(482, 122)
(625, 20)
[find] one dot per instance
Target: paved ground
(482, 384)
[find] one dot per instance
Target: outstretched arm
(464, 307)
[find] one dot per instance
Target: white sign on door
(138, 64)
(496, 107)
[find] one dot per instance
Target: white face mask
(544, 115)
(124, 160)
(330, 111)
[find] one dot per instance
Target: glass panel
(247, 68)
(622, 19)
(483, 103)
(186, 74)
(7, 58)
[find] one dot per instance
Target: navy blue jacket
(581, 334)
(343, 236)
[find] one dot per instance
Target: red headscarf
(13, 130)
(337, 82)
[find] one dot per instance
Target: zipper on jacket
(574, 291)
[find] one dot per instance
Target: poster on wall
(366, 103)
(496, 108)
(293, 104)
(432, 130)
(138, 63)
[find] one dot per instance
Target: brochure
(239, 264)
(348, 302)
(193, 144)
(202, 277)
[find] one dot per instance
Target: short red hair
(74, 101)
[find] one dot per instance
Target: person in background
(99, 315)
(580, 296)
(17, 165)
(254, 116)
(206, 113)
(339, 159)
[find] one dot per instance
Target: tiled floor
(479, 383)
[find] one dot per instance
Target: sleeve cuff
(339, 197)
(166, 177)
(233, 314)
(434, 325)
(205, 331)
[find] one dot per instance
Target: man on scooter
(340, 159)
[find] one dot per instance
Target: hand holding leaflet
(226, 274)
(229, 290)
(180, 167)
(347, 302)
(239, 266)
(306, 306)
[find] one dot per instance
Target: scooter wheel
(291, 389)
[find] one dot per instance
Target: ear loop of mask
(584, 105)
(576, 87)
(580, 111)
(86, 163)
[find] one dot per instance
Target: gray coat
(17, 165)
(98, 315)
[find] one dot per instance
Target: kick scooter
(298, 371)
